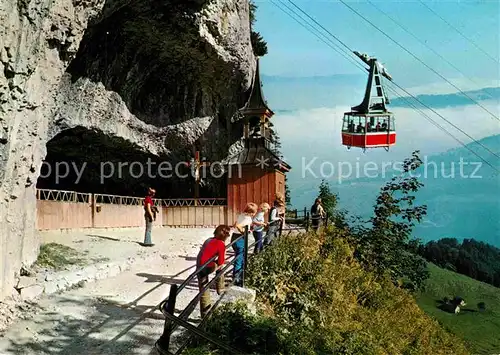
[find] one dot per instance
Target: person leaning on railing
(244, 219)
(210, 248)
(281, 207)
(276, 218)
(258, 226)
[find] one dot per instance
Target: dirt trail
(110, 316)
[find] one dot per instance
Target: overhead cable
(418, 59)
(459, 32)
(423, 43)
(363, 69)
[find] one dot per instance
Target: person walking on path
(317, 214)
(215, 246)
(258, 226)
(243, 220)
(149, 216)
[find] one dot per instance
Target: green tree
(288, 198)
(328, 198)
(275, 140)
(475, 259)
(253, 10)
(259, 45)
(386, 246)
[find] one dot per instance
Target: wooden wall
(54, 215)
(63, 215)
(280, 182)
(252, 185)
(194, 216)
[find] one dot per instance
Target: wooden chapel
(256, 173)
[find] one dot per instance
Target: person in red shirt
(215, 246)
(149, 216)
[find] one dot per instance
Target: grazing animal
(458, 302)
(453, 305)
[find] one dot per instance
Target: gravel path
(111, 316)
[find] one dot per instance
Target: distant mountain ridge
(287, 94)
(462, 201)
(451, 100)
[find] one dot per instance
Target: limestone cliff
(156, 75)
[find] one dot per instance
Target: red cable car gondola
(370, 124)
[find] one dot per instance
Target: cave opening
(90, 161)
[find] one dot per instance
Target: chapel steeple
(255, 173)
(256, 114)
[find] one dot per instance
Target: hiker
(258, 226)
(243, 220)
(215, 246)
(275, 220)
(317, 213)
(149, 215)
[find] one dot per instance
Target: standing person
(317, 213)
(149, 216)
(275, 220)
(258, 226)
(281, 207)
(210, 248)
(243, 220)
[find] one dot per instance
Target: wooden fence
(74, 210)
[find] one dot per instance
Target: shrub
(386, 246)
(58, 256)
(316, 298)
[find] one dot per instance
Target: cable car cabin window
(392, 127)
(349, 124)
(380, 124)
(345, 124)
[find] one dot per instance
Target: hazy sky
(294, 51)
(311, 127)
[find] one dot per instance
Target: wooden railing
(58, 209)
(62, 196)
(193, 202)
(72, 196)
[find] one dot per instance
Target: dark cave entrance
(90, 161)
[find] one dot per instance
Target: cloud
(316, 134)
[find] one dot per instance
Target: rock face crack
(160, 76)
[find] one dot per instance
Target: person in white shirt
(258, 226)
(275, 221)
(243, 220)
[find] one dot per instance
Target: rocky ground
(114, 312)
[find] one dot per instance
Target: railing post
(163, 344)
(307, 221)
(93, 207)
(305, 212)
(245, 256)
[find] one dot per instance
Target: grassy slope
(481, 331)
